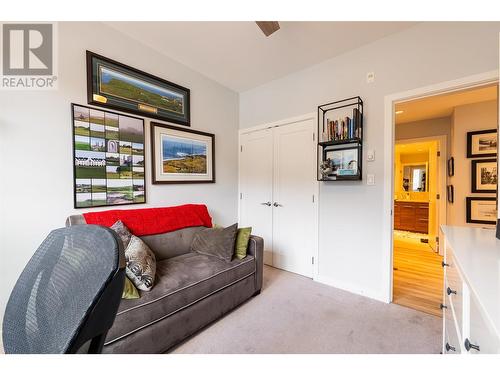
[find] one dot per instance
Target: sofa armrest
(75, 220)
(256, 249)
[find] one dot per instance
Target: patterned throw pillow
(122, 232)
(141, 264)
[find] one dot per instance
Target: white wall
(351, 254)
(467, 118)
(36, 193)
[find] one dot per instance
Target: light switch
(370, 179)
(371, 155)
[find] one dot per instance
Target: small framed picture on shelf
(484, 177)
(450, 193)
(482, 143)
(343, 162)
(481, 210)
(451, 167)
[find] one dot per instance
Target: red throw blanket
(147, 221)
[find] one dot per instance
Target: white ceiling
(240, 57)
(442, 105)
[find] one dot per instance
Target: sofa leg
(256, 293)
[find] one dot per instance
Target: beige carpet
(294, 314)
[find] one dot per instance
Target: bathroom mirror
(415, 177)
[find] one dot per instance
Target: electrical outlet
(370, 77)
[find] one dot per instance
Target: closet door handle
(449, 347)
(276, 204)
(450, 291)
(470, 346)
(268, 204)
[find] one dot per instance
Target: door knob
(266, 204)
(449, 347)
(450, 291)
(276, 204)
(470, 346)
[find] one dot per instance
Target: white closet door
(256, 187)
(294, 188)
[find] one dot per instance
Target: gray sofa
(191, 290)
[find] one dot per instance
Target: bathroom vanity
(411, 216)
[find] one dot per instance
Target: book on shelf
(343, 128)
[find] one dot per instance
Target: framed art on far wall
(481, 210)
(114, 85)
(181, 156)
(108, 158)
(482, 143)
(484, 176)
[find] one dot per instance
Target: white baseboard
(350, 288)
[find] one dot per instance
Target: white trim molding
(472, 81)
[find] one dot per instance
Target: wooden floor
(418, 278)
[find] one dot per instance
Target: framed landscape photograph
(481, 210)
(484, 176)
(114, 85)
(482, 143)
(181, 155)
(108, 158)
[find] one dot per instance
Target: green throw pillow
(242, 239)
(129, 290)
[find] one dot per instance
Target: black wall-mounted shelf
(340, 140)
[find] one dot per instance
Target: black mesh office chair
(68, 293)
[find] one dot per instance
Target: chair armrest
(256, 249)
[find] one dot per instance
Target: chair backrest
(67, 294)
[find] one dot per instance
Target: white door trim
(389, 102)
(288, 121)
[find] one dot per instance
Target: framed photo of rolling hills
(112, 84)
(181, 156)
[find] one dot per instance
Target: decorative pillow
(216, 242)
(141, 264)
(129, 290)
(242, 239)
(122, 232)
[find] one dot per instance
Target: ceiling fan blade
(268, 27)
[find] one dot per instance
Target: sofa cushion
(141, 264)
(171, 244)
(216, 242)
(180, 282)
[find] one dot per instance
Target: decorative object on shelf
(481, 210)
(482, 143)
(340, 143)
(484, 176)
(181, 155)
(114, 85)
(451, 166)
(108, 158)
(450, 193)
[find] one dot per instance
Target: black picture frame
(210, 154)
(475, 164)
(101, 176)
(468, 207)
(451, 166)
(450, 194)
(470, 150)
(97, 64)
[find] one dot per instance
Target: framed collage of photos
(108, 158)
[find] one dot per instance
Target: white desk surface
(477, 253)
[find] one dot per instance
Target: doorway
(278, 192)
(415, 276)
